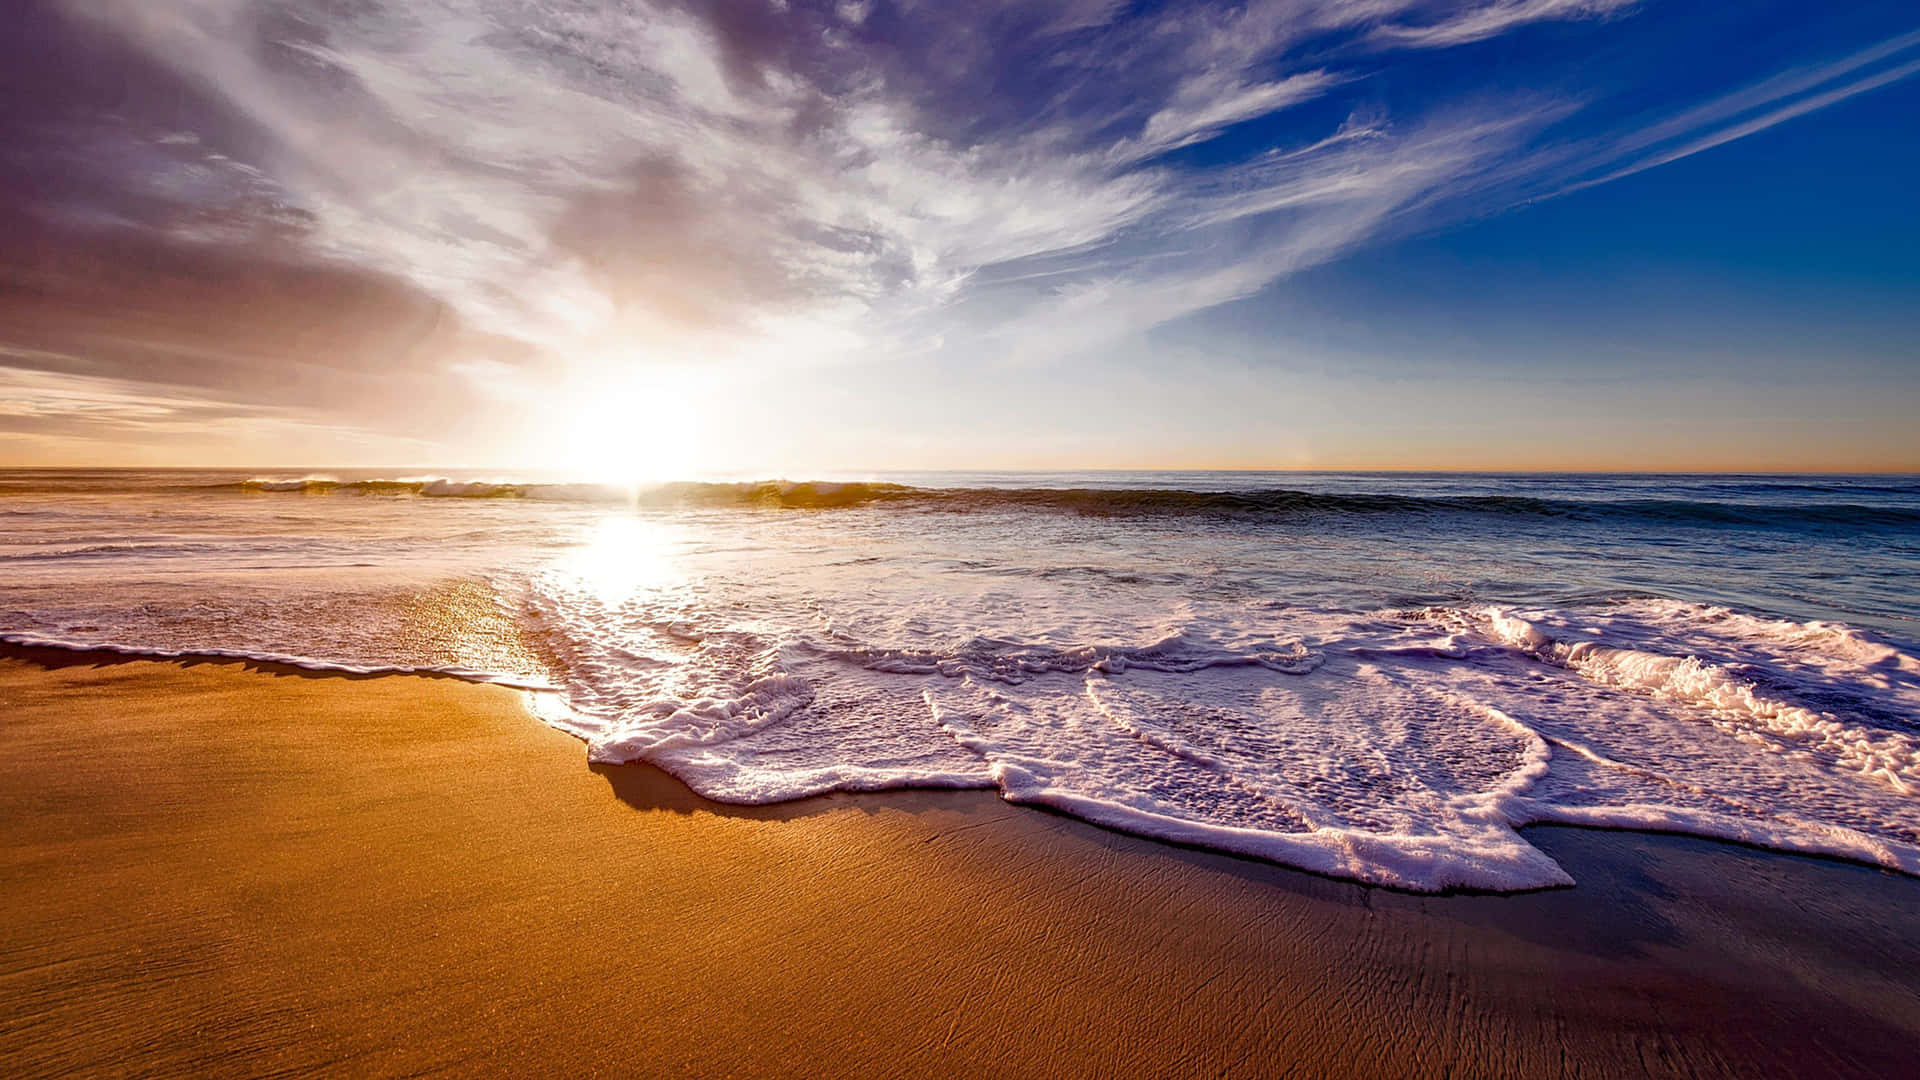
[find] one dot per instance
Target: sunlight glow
(623, 557)
(636, 426)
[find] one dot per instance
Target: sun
(632, 428)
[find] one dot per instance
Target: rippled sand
(217, 871)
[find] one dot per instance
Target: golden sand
(218, 871)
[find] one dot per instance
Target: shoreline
(54, 655)
(389, 875)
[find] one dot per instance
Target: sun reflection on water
(623, 557)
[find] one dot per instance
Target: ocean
(1372, 676)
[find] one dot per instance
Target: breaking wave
(1118, 502)
(1328, 692)
(1395, 748)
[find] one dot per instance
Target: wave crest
(1113, 502)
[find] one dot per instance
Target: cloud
(1204, 105)
(567, 173)
(388, 209)
(90, 419)
(1239, 230)
(1751, 110)
(1483, 21)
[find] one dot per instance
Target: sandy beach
(1054, 540)
(211, 870)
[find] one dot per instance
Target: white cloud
(1206, 104)
(1748, 111)
(1484, 21)
(586, 174)
(1244, 228)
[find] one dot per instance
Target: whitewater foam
(1380, 753)
(1310, 677)
(1736, 703)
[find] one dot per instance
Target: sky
(779, 237)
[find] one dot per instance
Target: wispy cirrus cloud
(1438, 26)
(496, 190)
(561, 172)
(1753, 109)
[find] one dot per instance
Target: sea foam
(1315, 677)
(1395, 748)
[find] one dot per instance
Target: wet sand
(211, 870)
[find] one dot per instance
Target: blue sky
(788, 237)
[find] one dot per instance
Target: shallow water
(1371, 675)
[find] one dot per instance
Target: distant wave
(1111, 502)
(1787, 505)
(426, 486)
(772, 493)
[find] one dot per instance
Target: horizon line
(744, 476)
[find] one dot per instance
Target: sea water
(1375, 676)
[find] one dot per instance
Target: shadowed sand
(210, 870)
